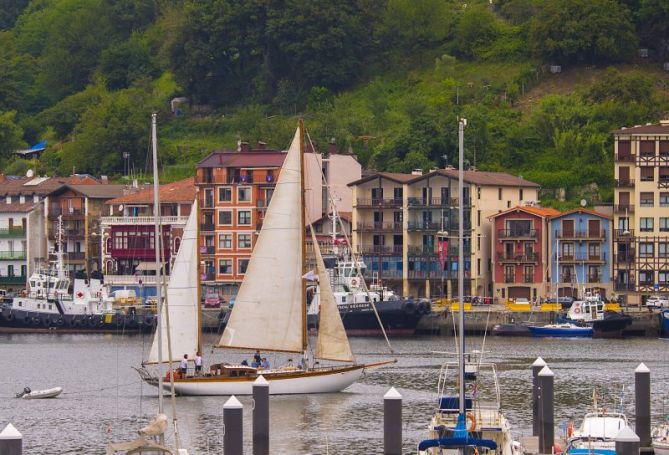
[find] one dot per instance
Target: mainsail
(332, 342)
(268, 308)
(182, 300)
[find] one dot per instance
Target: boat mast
(198, 282)
(461, 269)
(156, 244)
(59, 253)
(305, 337)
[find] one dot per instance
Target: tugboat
(48, 306)
(354, 301)
(605, 324)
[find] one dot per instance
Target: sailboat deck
(245, 373)
(485, 418)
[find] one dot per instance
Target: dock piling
(233, 419)
(260, 416)
(537, 366)
(546, 410)
(642, 404)
(11, 441)
(392, 422)
(627, 442)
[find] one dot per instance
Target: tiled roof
(544, 212)
(657, 128)
(99, 191)
(476, 177)
(181, 191)
(253, 158)
(30, 185)
(16, 207)
(581, 210)
(82, 179)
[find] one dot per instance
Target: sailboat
(270, 312)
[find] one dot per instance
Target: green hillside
(384, 78)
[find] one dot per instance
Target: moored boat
(597, 433)
(565, 330)
(664, 323)
(28, 394)
(660, 438)
(511, 330)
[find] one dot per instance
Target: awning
(146, 267)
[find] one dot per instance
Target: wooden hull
(321, 380)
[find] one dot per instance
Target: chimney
(417, 172)
(450, 168)
(134, 183)
(664, 122)
(244, 147)
(332, 147)
(261, 145)
(104, 179)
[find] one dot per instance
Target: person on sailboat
(183, 365)
(198, 363)
(264, 364)
(257, 359)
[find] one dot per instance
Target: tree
(10, 135)
(476, 28)
(126, 62)
(16, 76)
(600, 32)
(653, 25)
(10, 11)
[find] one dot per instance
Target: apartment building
(78, 207)
(128, 237)
(406, 227)
(580, 252)
(234, 190)
(641, 211)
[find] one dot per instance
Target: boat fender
(150, 320)
(570, 429)
(354, 282)
(577, 310)
(471, 422)
(90, 321)
(46, 322)
(99, 321)
(37, 321)
(60, 321)
(9, 317)
(409, 307)
(26, 320)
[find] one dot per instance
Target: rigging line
(348, 242)
(78, 392)
(485, 336)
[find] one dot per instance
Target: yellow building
(641, 211)
(399, 219)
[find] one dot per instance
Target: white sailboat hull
(326, 380)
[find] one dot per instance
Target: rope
(348, 242)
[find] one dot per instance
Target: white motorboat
(28, 394)
(597, 433)
(660, 438)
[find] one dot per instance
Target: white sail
(332, 342)
(182, 299)
(267, 314)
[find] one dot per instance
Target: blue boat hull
(664, 322)
(583, 332)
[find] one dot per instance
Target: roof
(16, 207)
(581, 210)
(544, 212)
(181, 191)
(30, 185)
(482, 178)
(253, 158)
(82, 179)
(649, 128)
(97, 191)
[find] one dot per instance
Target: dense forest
(386, 79)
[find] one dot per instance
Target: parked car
(657, 301)
(212, 301)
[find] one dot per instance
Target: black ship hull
(511, 330)
(399, 317)
(611, 326)
(20, 321)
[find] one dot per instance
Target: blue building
(580, 252)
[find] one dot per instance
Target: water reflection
(104, 399)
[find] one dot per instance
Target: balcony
(132, 279)
(386, 274)
(17, 279)
(623, 208)
(625, 258)
(389, 250)
(132, 220)
(582, 257)
(623, 286)
(209, 276)
(12, 232)
(75, 256)
(581, 235)
(624, 183)
(12, 255)
(68, 234)
(566, 279)
(517, 257)
(71, 214)
(421, 202)
(207, 227)
(208, 249)
(422, 250)
(594, 278)
(517, 234)
(528, 278)
(423, 226)
(378, 203)
(625, 158)
(623, 234)
(379, 227)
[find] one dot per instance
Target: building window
(244, 217)
(664, 199)
(499, 194)
(664, 224)
(663, 278)
(647, 200)
(225, 218)
(646, 250)
(646, 277)
(594, 274)
(646, 224)
(397, 194)
(242, 265)
(623, 223)
(647, 174)
(243, 194)
(594, 251)
(567, 250)
(520, 194)
(478, 218)
(225, 241)
(225, 266)
(377, 195)
(509, 273)
(225, 194)
(663, 249)
(243, 240)
(528, 274)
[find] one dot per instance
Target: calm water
(104, 400)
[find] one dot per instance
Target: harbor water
(103, 399)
